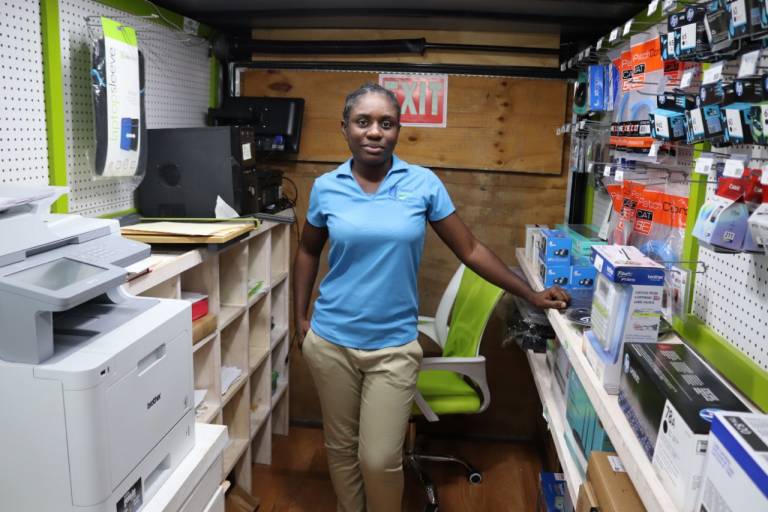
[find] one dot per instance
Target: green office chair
(456, 383)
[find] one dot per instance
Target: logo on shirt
(400, 195)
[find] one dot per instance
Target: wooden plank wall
(495, 205)
(494, 124)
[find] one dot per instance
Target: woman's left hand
(551, 298)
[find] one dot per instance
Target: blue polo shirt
(369, 298)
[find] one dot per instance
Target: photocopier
(96, 386)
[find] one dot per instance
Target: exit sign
(423, 98)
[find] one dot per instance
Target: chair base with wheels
(414, 459)
(456, 382)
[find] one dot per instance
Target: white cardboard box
(736, 468)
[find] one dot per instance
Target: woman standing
(361, 344)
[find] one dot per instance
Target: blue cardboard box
(583, 275)
(552, 489)
(554, 274)
(556, 247)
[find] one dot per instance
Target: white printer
(96, 386)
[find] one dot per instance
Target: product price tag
(619, 176)
(599, 43)
(652, 7)
(590, 168)
(687, 79)
(748, 66)
(582, 124)
(734, 168)
(713, 73)
(668, 5)
(614, 35)
(562, 67)
(247, 155)
(688, 37)
(704, 165)
(607, 171)
(627, 28)
(654, 151)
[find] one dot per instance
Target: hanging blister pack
(117, 84)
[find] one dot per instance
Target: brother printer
(95, 385)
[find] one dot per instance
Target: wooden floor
(298, 481)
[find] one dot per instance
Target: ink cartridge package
(626, 307)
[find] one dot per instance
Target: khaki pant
(366, 398)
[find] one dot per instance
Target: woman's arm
(485, 263)
(304, 274)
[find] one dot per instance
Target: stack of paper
(229, 374)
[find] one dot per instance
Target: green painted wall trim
(119, 214)
(164, 16)
(589, 201)
(213, 100)
(53, 86)
(739, 369)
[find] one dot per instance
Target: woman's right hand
(302, 328)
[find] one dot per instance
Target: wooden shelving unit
(248, 287)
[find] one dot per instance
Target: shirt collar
(398, 165)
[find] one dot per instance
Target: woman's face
(372, 130)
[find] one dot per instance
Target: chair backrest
(446, 304)
(472, 308)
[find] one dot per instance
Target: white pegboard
(731, 297)
(177, 92)
(23, 135)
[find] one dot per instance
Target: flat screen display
(56, 274)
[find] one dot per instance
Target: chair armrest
(472, 367)
(426, 326)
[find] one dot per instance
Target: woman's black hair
(369, 88)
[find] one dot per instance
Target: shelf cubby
(279, 312)
(261, 445)
(206, 376)
(236, 417)
(260, 398)
(259, 341)
(234, 351)
(279, 251)
(233, 275)
(204, 278)
(170, 289)
(258, 281)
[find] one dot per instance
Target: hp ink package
(626, 307)
(738, 18)
(736, 466)
(689, 32)
(667, 125)
(738, 117)
(705, 123)
(552, 491)
(597, 88)
(753, 197)
(716, 26)
(669, 396)
(759, 127)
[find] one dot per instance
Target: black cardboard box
(669, 395)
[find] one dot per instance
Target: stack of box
(583, 421)
(607, 487)
(558, 266)
(669, 397)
